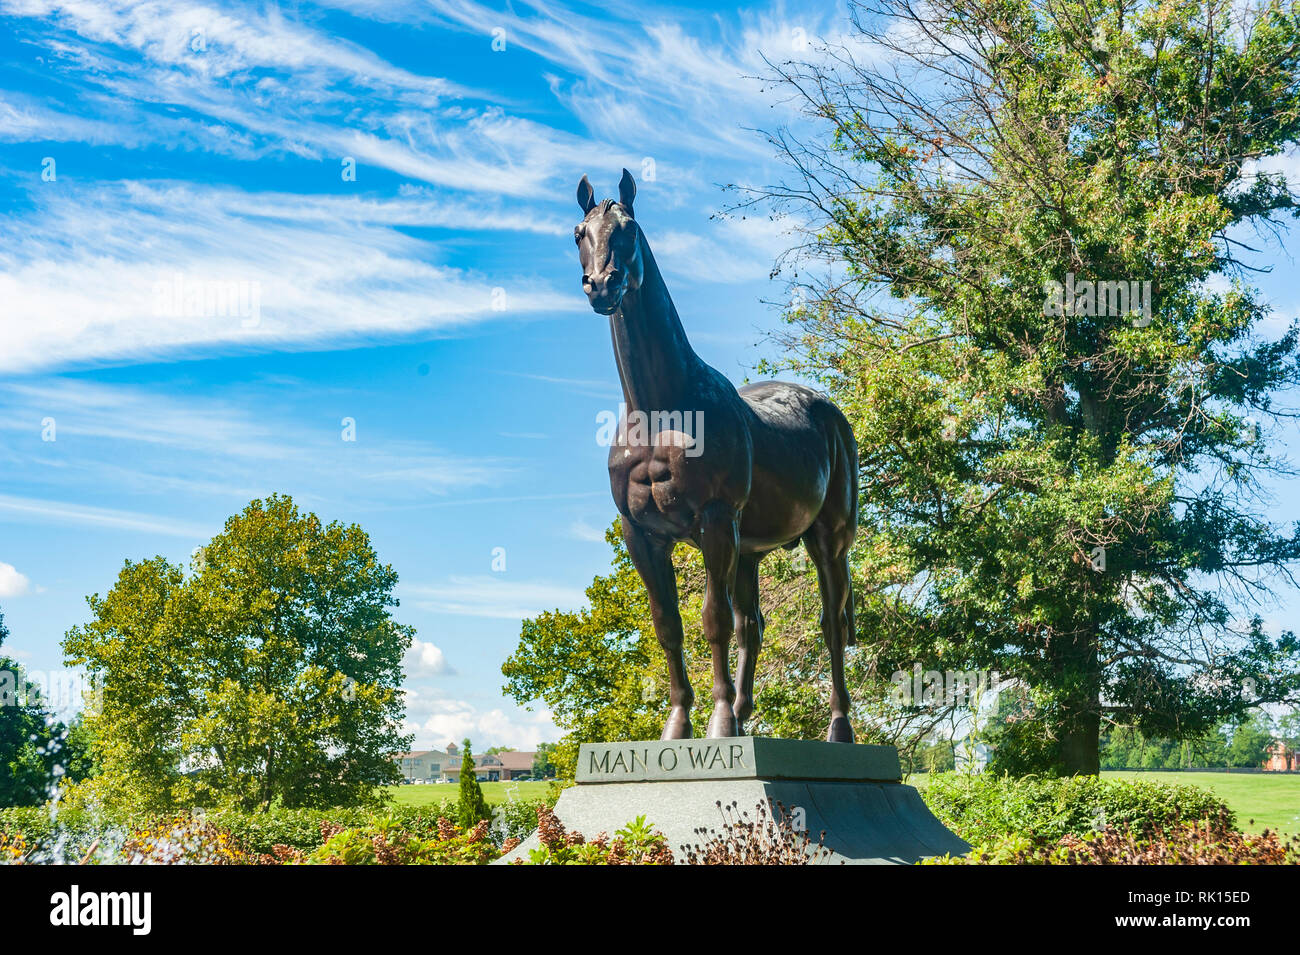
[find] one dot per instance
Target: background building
(432, 765)
(496, 767)
(426, 765)
(1281, 757)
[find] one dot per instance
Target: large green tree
(269, 674)
(1056, 489)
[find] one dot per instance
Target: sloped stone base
(865, 821)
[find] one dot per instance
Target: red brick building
(1281, 757)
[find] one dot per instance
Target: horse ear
(586, 196)
(627, 191)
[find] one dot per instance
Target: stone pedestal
(850, 792)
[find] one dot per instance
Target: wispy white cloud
(668, 98)
(733, 249)
(234, 448)
(517, 498)
(414, 206)
(650, 78)
(274, 82)
(85, 285)
(132, 414)
(581, 530)
(34, 510)
(228, 43)
(590, 387)
(501, 596)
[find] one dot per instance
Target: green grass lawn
(494, 793)
(1272, 800)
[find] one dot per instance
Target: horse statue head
(609, 246)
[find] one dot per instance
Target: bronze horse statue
(775, 463)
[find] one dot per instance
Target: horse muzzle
(606, 299)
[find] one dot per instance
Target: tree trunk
(1079, 731)
(1080, 742)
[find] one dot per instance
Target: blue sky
(434, 299)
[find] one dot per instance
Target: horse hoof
(677, 727)
(743, 712)
(740, 723)
(841, 731)
(723, 722)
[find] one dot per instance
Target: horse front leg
(653, 559)
(720, 545)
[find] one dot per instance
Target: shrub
(189, 840)
(514, 820)
(261, 832)
(767, 839)
(178, 840)
(69, 834)
(1211, 841)
(985, 808)
(183, 840)
(386, 841)
(14, 849)
(635, 844)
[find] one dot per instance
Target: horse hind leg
(829, 551)
(749, 636)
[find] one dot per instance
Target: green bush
(637, 843)
(73, 830)
(1212, 841)
(301, 828)
(984, 808)
(515, 820)
(71, 834)
(385, 840)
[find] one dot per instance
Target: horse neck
(655, 361)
